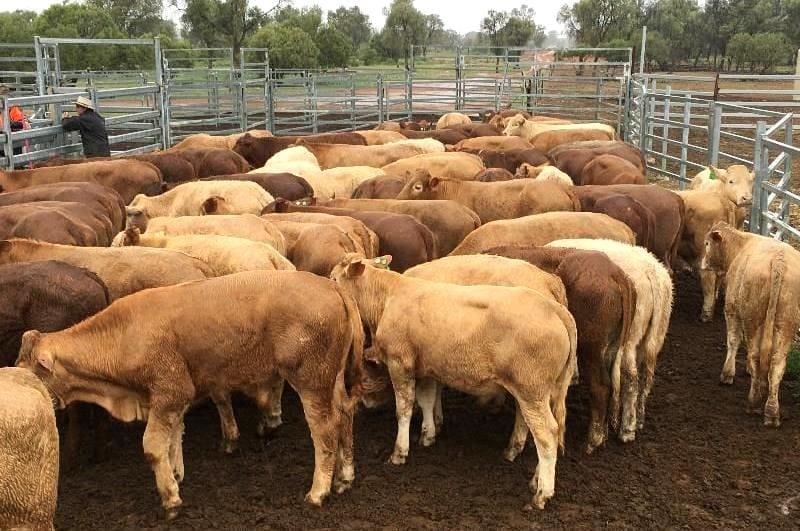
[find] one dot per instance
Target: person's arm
(71, 123)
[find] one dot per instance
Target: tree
(740, 49)
(289, 46)
(492, 26)
(405, 26)
(133, 17)
(222, 22)
(433, 28)
(17, 26)
(769, 49)
(307, 19)
(87, 22)
(353, 23)
(658, 49)
(592, 22)
(335, 48)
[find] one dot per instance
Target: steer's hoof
(511, 453)
(315, 500)
(774, 422)
(342, 485)
(397, 459)
(228, 446)
(726, 379)
(706, 317)
(540, 500)
(627, 436)
(172, 509)
(426, 441)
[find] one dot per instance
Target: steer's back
(446, 326)
(241, 325)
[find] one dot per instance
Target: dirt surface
(702, 462)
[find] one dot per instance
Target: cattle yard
(701, 461)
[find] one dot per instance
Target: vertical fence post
(379, 86)
(787, 171)
(410, 95)
(714, 124)
(760, 168)
(270, 105)
(665, 128)
(8, 144)
(162, 96)
(597, 97)
(687, 120)
(353, 124)
(651, 112)
(643, 108)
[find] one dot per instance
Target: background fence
(682, 123)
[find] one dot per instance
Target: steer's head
(136, 217)
(739, 185)
(514, 126)
(714, 248)
(420, 186)
(38, 357)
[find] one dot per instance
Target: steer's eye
(418, 187)
(730, 182)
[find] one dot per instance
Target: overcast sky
(460, 15)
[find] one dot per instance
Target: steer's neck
(735, 241)
(371, 292)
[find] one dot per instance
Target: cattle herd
(508, 260)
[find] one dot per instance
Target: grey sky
(460, 15)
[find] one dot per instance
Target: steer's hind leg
(404, 390)
(597, 374)
(230, 431)
(426, 398)
(543, 426)
(734, 332)
(519, 435)
(630, 395)
(783, 341)
(324, 421)
(176, 451)
(345, 469)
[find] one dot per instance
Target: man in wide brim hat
(92, 128)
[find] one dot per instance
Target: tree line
(756, 35)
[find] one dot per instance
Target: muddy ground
(702, 462)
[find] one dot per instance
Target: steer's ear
(212, 205)
(434, 182)
(355, 269)
(29, 341)
(716, 235)
(5, 246)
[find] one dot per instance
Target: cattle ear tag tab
(711, 174)
(381, 262)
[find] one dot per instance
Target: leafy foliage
(289, 46)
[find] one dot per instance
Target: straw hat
(84, 102)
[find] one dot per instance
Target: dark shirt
(92, 128)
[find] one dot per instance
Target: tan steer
(762, 304)
(142, 359)
(458, 335)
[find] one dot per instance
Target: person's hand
(65, 114)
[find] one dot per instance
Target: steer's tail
(628, 295)
(777, 270)
(354, 368)
(558, 396)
